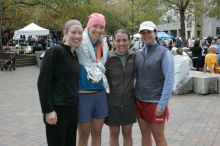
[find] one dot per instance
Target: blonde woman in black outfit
(58, 87)
(120, 75)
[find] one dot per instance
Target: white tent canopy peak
(32, 29)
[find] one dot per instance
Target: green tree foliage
(53, 13)
(148, 10)
(214, 8)
(119, 13)
(113, 15)
(4, 5)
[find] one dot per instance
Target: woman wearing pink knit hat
(93, 106)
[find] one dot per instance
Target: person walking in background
(58, 87)
(197, 55)
(120, 75)
(154, 69)
(178, 43)
(93, 107)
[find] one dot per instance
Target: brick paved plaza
(194, 119)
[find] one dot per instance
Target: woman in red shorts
(154, 69)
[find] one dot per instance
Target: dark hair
(157, 39)
(196, 44)
(121, 31)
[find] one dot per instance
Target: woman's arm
(44, 82)
(168, 71)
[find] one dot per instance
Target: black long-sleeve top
(58, 82)
(196, 51)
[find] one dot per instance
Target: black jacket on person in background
(58, 82)
(120, 79)
(196, 51)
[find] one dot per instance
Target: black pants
(64, 132)
(196, 63)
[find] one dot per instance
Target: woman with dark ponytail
(120, 75)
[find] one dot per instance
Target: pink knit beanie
(96, 18)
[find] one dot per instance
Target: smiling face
(74, 36)
(148, 36)
(122, 43)
(95, 32)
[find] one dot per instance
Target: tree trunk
(182, 25)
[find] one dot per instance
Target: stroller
(10, 62)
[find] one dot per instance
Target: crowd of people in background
(196, 49)
(10, 40)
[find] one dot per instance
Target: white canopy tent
(32, 29)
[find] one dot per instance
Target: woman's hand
(158, 112)
(51, 118)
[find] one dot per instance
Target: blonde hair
(179, 51)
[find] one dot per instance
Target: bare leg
(96, 131)
(84, 129)
(114, 135)
(158, 134)
(127, 135)
(146, 132)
